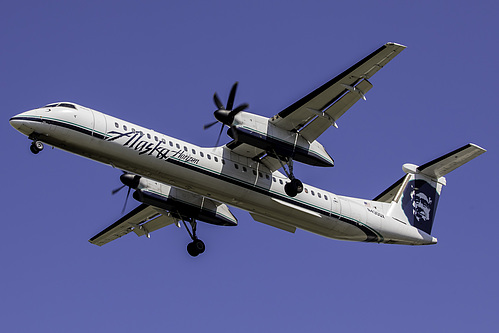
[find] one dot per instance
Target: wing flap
(322, 122)
(134, 219)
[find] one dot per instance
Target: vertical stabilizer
(414, 198)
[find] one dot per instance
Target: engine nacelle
(257, 131)
(183, 204)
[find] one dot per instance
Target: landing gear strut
(196, 247)
(295, 186)
(36, 147)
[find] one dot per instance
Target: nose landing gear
(36, 147)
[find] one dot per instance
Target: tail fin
(415, 197)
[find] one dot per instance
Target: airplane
(180, 183)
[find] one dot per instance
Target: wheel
(290, 190)
(33, 149)
(298, 185)
(196, 247)
(38, 145)
(191, 249)
(294, 187)
(199, 245)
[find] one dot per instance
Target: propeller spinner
(225, 115)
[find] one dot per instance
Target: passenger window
(267, 176)
(201, 153)
(148, 135)
(185, 148)
(273, 178)
(215, 158)
(280, 181)
(325, 197)
(116, 125)
(178, 146)
(155, 138)
(306, 190)
(319, 195)
(124, 127)
(223, 161)
(260, 174)
(236, 166)
(209, 156)
(244, 169)
(254, 172)
(194, 151)
(312, 192)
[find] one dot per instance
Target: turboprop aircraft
(180, 183)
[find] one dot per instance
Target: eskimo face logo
(421, 206)
(419, 203)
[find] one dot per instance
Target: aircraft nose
(16, 121)
(21, 123)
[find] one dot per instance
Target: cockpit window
(67, 105)
(64, 105)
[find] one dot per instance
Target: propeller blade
(219, 135)
(232, 96)
(126, 200)
(218, 103)
(116, 190)
(210, 124)
(240, 108)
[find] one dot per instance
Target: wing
(142, 220)
(320, 109)
(253, 152)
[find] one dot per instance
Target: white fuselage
(216, 173)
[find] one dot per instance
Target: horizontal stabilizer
(443, 165)
(433, 169)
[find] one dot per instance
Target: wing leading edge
(317, 111)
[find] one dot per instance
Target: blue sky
(158, 64)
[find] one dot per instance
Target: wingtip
(396, 44)
(478, 147)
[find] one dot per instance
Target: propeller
(132, 181)
(226, 115)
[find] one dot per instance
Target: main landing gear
(196, 247)
(36, 147)
(295, 186)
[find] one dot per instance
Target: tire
(191, 249)
(199, 245)
(33, 149)
(290, 190)
(298, 185)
